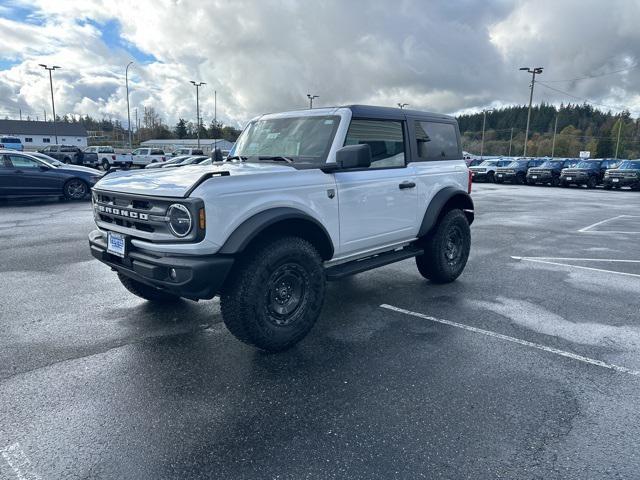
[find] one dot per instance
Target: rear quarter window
(437, 140)
(156, 152)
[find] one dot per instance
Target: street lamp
(53, 104)
(402, 105)
(311, 97)
(533, 71)
(126, 80)
(484, 121)
(198, 85)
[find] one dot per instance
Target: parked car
(187, 151)
(141, 157)
(69, 154)
(474, 162)
(486, 171)
(327, 193)
(516, 171)
(171, 161)
(187, 161)
(549, 172)
(11, 143)
(627, 174)
(25, 175)
(106, 156)
(587, 172)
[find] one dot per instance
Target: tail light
(113, 157)
(469, 181)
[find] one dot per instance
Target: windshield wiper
(276, 158)
(237, 157)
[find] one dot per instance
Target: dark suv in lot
(549, 171)
(516, 171)
(587, 172)
(70, 154)
(487, 170)
(627, 174)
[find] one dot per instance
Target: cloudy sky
(448, 56)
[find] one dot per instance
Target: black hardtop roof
(370, 111)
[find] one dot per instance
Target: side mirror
(353, 156)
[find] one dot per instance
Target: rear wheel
(521, 179)
(446, 249)
(105, 164)
(66, 160)
(555, 181)
(491, 178)
(608, 187)
(145, 291)
(75, 189)
(592, 182)
(274, 296)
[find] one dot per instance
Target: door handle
(404, 185)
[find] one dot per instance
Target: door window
(384, 137)
(437, 141)
(19, 161)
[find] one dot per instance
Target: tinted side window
(19, 161)
(384, 137)
(437, 141)
(156, 152)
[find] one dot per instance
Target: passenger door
(8, 182)
(31, 179)
(377, 205)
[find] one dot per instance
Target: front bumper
(198, 276)
(507, 176)
(575, 179)
(479, 176)
(539, 177)
(621, 181)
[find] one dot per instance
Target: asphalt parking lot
(527, 367)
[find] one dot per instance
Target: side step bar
(368, 263)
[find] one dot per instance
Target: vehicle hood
(176, 182)
(78, 168)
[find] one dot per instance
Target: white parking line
(526, 343)
(19, 462)
(549, 262)
(589, 228)
(613, 260)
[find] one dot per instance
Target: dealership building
(35, 134)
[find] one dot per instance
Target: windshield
(551, 164)
(306, 141)
(489, 163)
(587, 165)
(630, 165)
(516, 164)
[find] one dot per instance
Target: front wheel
(75, 189)
(446, 249)
(491, 178)
(555, 181)
(145, 291)
(592, 182)
(273, 297)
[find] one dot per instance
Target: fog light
(173, 274)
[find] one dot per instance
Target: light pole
(533, 71)
(555, 129)
(484, 121)
(198, 85)
(402, 105)
(126, 81)
(510, 140)
(53, 103)
(619, 130)
(311, 97)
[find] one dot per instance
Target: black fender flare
(248, 230)
(462, 200)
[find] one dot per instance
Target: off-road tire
(491, 177)
(441, 263)
(607, 187)
(257, 287)
(521, 179)
(499, 180)
(75, 189)
(147, 292)
(555, 181)
(592, 182)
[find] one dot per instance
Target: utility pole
(311, 97)
(484, 121)
(198, 85)
(555, 129)
(53, 104)
(126, 80)
(20, 113)
(618, 141)
(510, 140)
(137, 124)
(45, 114)
(402, 105)
(215, 107)
(533, 71)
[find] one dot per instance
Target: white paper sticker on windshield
(273, 136)
(328, 122)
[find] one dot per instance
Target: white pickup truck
(141, 157)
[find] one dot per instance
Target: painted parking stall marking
(526, 343)
(20, 464)
(562, 263)
(630, 225)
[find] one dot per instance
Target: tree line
(579, 127)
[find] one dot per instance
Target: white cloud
(265, 55)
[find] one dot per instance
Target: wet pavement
(507, 373)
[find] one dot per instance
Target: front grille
(142, 218)
(622, 174)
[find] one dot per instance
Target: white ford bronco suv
(304, 197)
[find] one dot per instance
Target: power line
(587, 77)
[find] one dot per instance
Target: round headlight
(179, 220)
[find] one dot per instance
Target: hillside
(580, 127)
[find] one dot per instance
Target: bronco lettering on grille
(123, 213)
